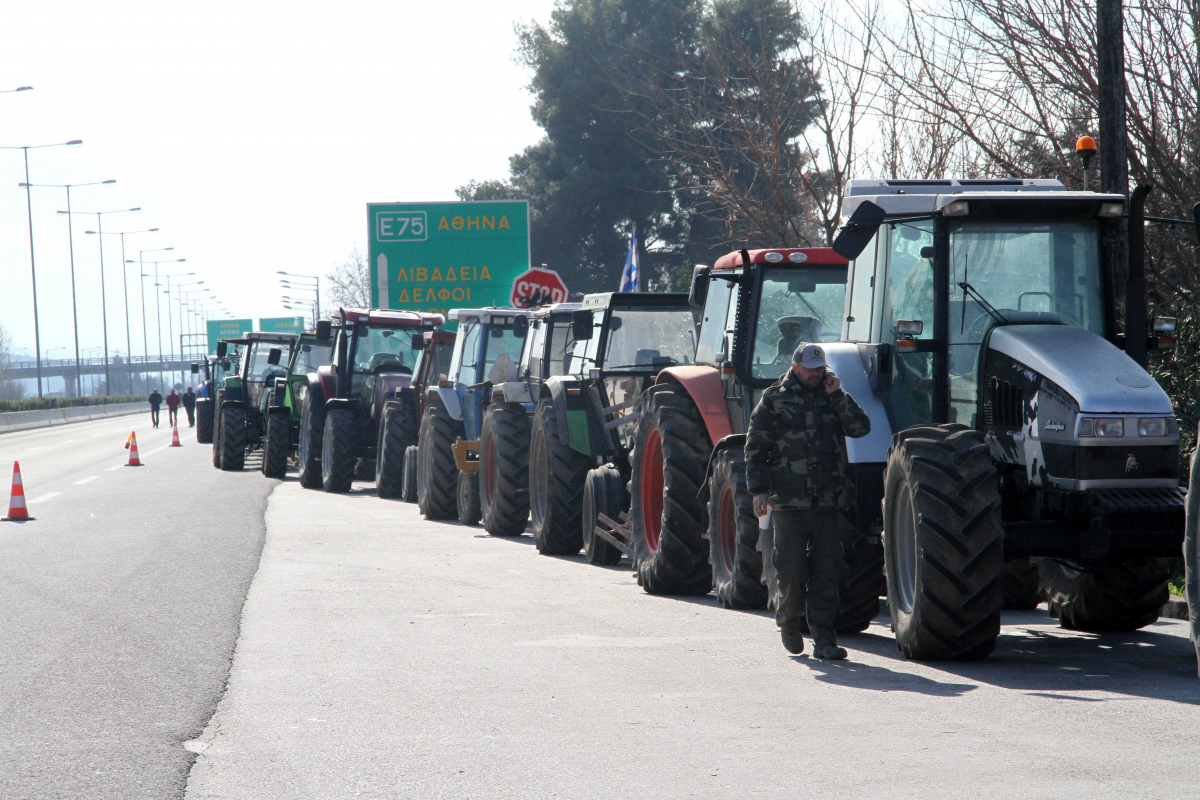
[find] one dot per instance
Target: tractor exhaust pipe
(1136, 292)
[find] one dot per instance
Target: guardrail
(24, 420)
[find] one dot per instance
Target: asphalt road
(383, 656)
(119, 607)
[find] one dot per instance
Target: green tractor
(212, 372)
(281, 409)
(239, 424)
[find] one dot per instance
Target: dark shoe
(793, 642)
(829, 652)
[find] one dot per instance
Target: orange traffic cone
(175, 436)
(131, 446)
(17, 511)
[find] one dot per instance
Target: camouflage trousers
(808, 561)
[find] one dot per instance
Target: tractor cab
(374, 349)
(487, 352)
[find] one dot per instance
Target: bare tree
(10, 388)
(349, 282)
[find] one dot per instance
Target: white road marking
(39, 447)
(44, 497)
(117, 467)
(66, 441)
(156, 450)
(88, 479)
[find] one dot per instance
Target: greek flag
(630, 276)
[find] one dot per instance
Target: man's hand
(761, 505)
(832, 382)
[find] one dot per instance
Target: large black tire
(1191, 553)
(860, 584)
(468, 498)
(670, 453)
(410, 474)
(556, 477)
(216, 440)
(1021, 584)
(943, 542)
(204, 420)
(504, 469)
(339, 450)
(312, 435)
(733, 535)
(603, 493)
(277, 444)
(397, 432)
(437, 473)
(233, 439)
(1118, 597)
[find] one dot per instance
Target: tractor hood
(1094, 372)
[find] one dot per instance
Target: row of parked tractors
(1017, 452)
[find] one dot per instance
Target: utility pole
(1114, 157)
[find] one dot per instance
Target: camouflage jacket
(796, 446)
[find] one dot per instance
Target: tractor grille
(1007, 406)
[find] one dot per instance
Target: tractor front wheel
(216, 439)
(733, 535)
(556, 477)
(410, 474)
(504, 469)
(312, 435)
(437, 472)
(603, 493)
(1118, 597)
(277, 444)
(233, 439)
(1021, 584)
(397, 431)
(204, 420)
(339, 448)
(468, 498)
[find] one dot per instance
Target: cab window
(710, 347)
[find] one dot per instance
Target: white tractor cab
(981, 336)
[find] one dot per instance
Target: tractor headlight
(1110, 427)
(1153, 426)
(959, 208)
(1112, 209)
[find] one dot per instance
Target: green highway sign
(438, 256)
(219, 329)
(281, 324)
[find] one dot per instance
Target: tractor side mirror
(581, 324)
(195, 368)
(859, 230)
(222, 349)
(273, 356)
(699, 291)
(324, 330)
(521, 327)
(418, 341)
(928, 251)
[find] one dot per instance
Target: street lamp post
(179, 299)
(170, 326)
(125, 292)
(315, 288)
(103, 294)
(37, 336)
(142, 287)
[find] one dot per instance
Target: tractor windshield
(796, 305)
(384, 350)
(650, 337)
(312, 354)
(502, 354)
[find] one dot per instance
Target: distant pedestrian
(189, 405)
(155, 402)
(173, 407)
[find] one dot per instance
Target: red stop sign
(537, 287)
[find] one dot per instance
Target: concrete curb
(25, 420)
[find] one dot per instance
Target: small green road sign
(438, 256)
(219, 329)
(281, 324)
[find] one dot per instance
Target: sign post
(281, 324)
(438, 256)
(219, 329)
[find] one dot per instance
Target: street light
(157, 307)
(125, 291)
(170, 325)
(178, 288)
(103, 294)
(18, 89)
(316, 285)
(37, 336)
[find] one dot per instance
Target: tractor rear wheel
(397, 431)
(733, 535)
(1118, 597)
(277, 444)
(943, 543)
(204, 420)
(556, 477)
(409, 494)
(504, 469)
(468, 498)
(670, 453)
(1021, 584)
(603, 493)
(437, 472)
(233, 439)
(312, 435)
(339, 448)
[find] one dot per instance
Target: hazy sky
(251, 133)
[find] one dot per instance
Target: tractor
(240, 425)
(504, 432)
(1011, 412)
(689, 483)
(213, 370)
(433, 367)
(279, 405)
(582, 430)
(487, 349)
(359, 412)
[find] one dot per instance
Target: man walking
(189, 405)
(173, 407)
(796, 467)
(155, 402)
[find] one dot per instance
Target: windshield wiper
(969, 290)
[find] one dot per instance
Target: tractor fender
(579, 415)
(388, 387)
(328, 380)
(703, 384)
(450, 400)
(233, 404)
(556, 387)
(511, 392)
(278, 396)
(845, 359)
(737, 440)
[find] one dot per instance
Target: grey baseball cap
(810, 356)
